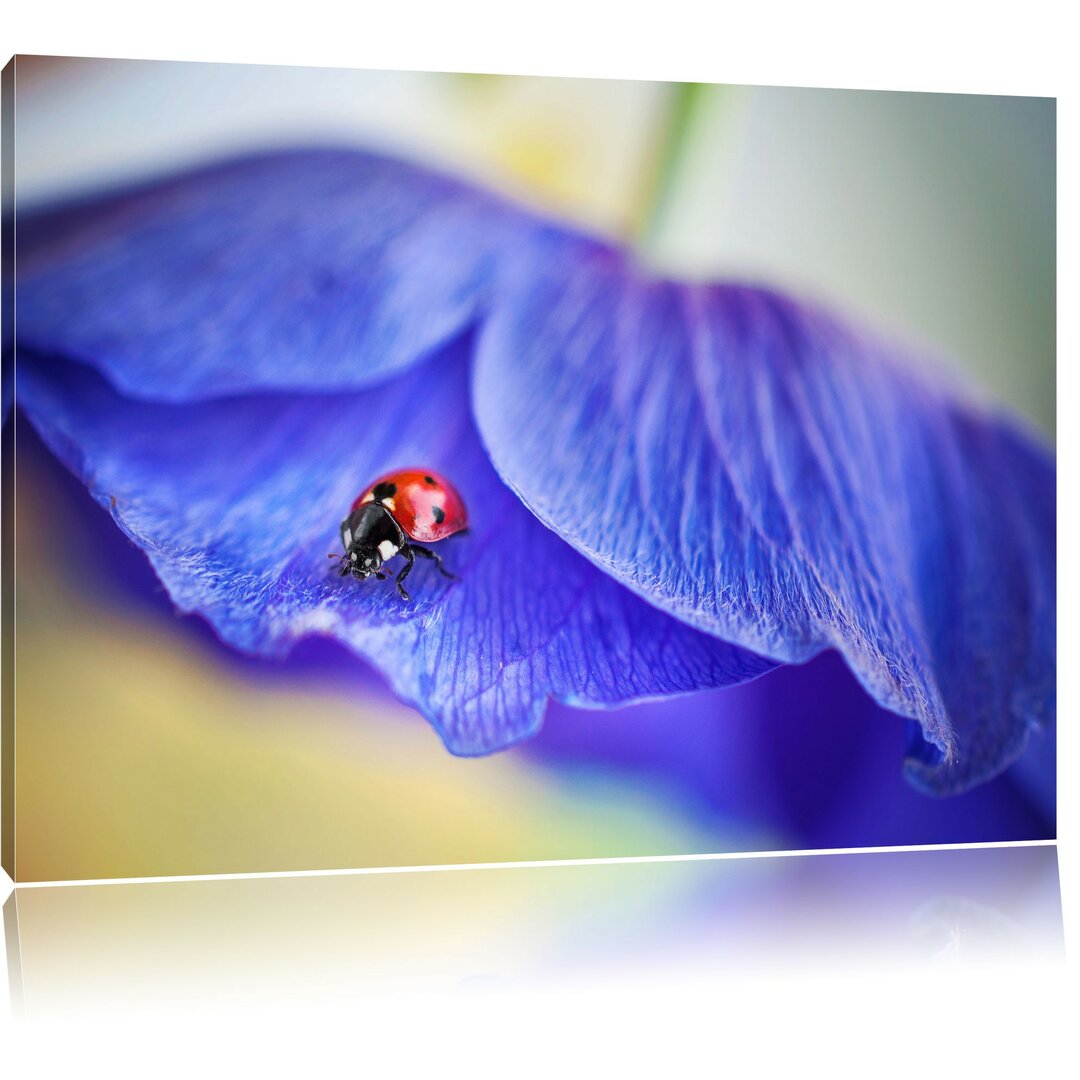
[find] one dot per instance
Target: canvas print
(408, 469)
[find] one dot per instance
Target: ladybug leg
(407, 551)
(437, 559)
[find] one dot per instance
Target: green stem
(667, 157)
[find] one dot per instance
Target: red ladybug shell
(424, 504)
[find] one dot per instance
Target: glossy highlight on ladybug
(387, 519)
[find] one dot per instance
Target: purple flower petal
(237, 502)
(801, 759)
(763, 473)
(313, 270)
(746, 464)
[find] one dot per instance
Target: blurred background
(145, 747)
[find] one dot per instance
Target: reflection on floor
(114, 949)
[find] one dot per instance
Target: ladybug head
(365, 561)
(361, 562)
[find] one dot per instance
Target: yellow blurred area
(140, 751)
(586, 149)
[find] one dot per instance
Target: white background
(991, 1022)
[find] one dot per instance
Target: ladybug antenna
(344, 563)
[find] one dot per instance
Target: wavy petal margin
(762, 472)
(237, 503)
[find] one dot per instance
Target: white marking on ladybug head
(389, 504)
(346, 536)
(387, 550)
(352, 555)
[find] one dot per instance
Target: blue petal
(237, 502)
(312, 269)
(801, 759)
(762, 472)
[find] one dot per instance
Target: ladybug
(401, 507)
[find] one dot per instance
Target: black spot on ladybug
(429, 480)
(439, 513)
(384, 491)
